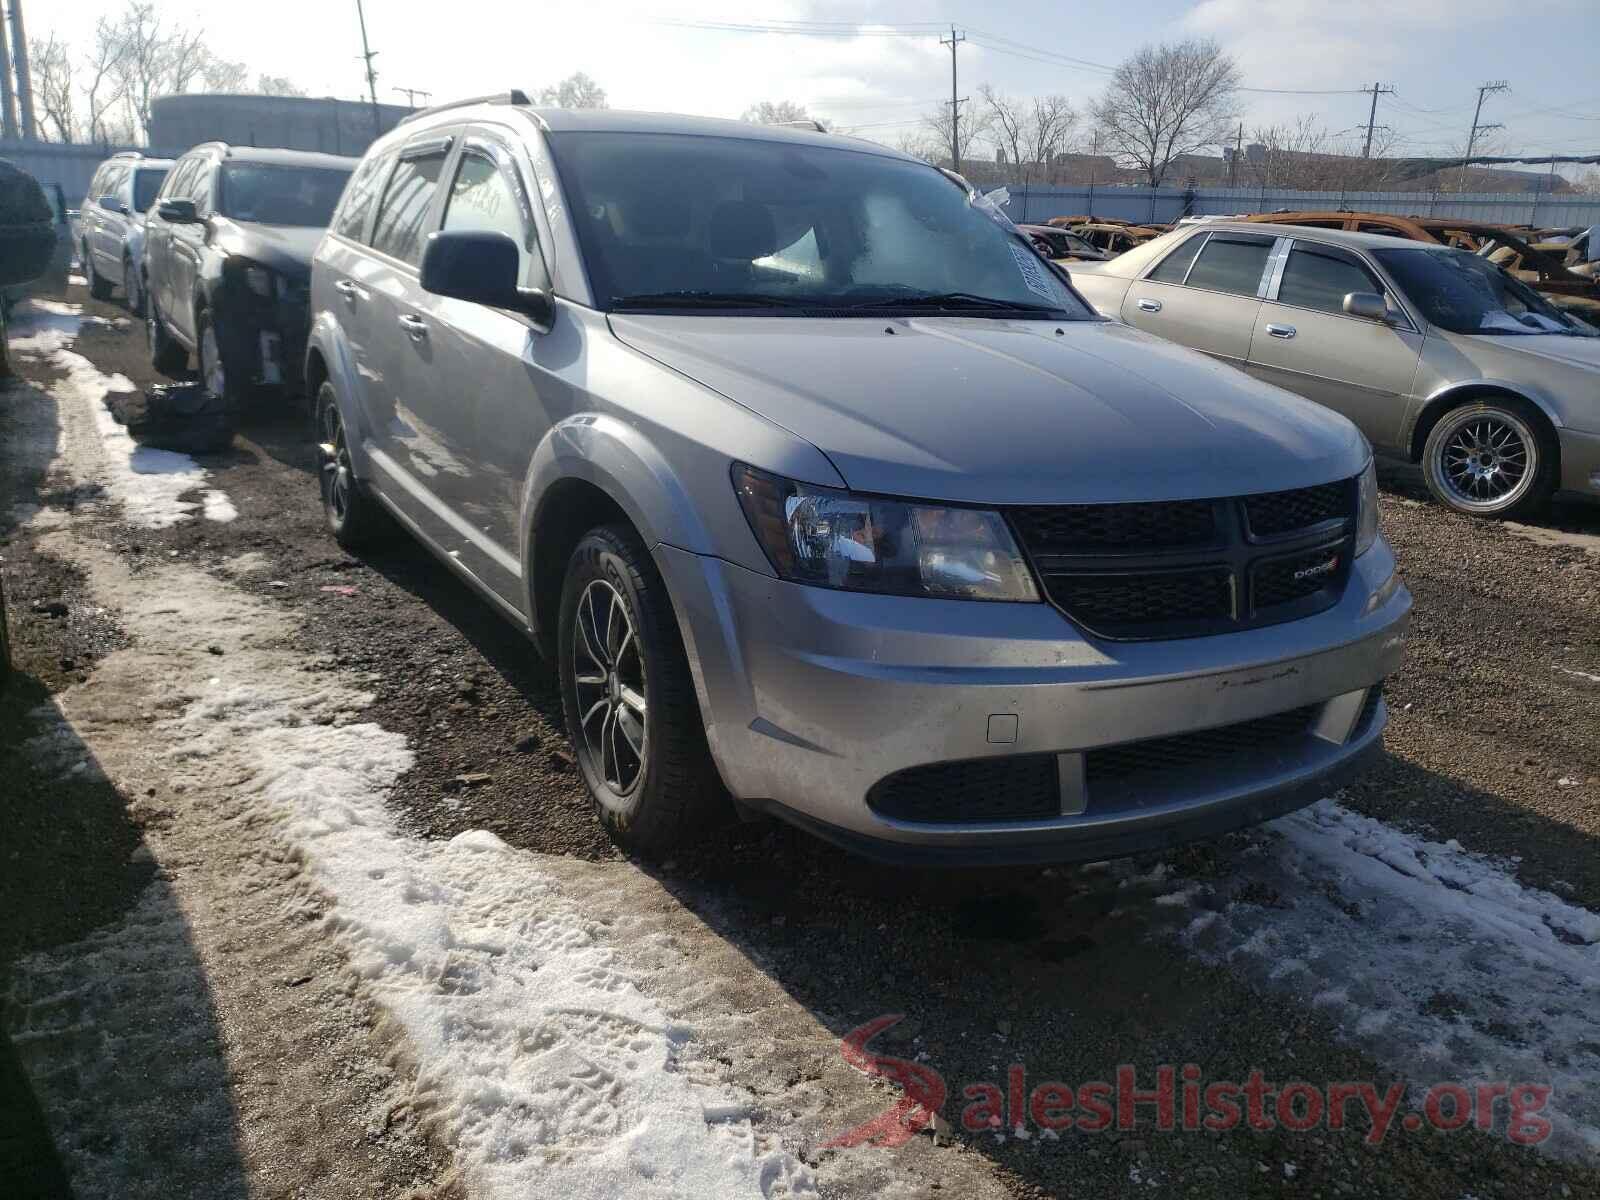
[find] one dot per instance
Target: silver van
(830, 497)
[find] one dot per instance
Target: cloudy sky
(680, 55)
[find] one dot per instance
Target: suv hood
(1008, 412)
(287, 249)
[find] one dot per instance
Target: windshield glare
(274, 195)
(1463, 293)
(658, 214)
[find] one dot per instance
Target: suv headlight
(830, 538)
(1367, 510)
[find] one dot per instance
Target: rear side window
(406, 201)
(1231, 264)
(360, 196)
(1176, 265)
(1317, 277)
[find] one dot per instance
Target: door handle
(413, 325)
(347, 289)
(1281, 331)
(1150, 305)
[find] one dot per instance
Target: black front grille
(1013, 788)
(1207, 747)
(1272, 513)
(1286, 580)
(1127, 603)
(1097, 528)
(1193, 567)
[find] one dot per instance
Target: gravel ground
(1494, 742)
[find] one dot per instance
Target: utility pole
(1488, 89)
(411, 95)
(1377, 90)
(1238, 153)
(8, 105)
(367, 55)
(954, 40)
(19, 53)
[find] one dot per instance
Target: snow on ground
(149, 484)
(540, 1055)
(1436, 960)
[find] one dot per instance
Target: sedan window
(1230, 264)
(1176, 265)
(1317, 277)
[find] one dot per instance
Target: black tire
(1508, 433)
(675, 795)
(353, 515)
(166, 356)
(132, 287)
(235, 391)
(99, 287)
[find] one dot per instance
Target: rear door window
(146, 184)
(360, 196)
(1231, 263)
(1319, 277)
(1175, 266)
(407, 201)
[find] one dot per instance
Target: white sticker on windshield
(1033, 273)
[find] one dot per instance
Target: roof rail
(514, 96)
(127, 154)
(809, 123)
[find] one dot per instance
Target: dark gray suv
(827, 495)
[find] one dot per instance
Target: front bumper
(1580, 461)
(811, 697)
(263, 341)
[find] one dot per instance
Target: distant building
(285, 122)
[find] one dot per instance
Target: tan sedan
(1438, 355)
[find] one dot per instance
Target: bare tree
(779, 112)
(921, 143)
(102, 90)
(142, 68)
(971, 128)
(575, 91)
(220, 75)
(278, 85)
(1028, 133)
(1166, 101)
(51, 62)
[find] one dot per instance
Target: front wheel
(132, 287)
(352, 515)
(166, 356)
(1491, 458)
(629, 698)
(99, 287)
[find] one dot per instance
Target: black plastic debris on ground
(175, 416)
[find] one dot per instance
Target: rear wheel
(629, 698)
(353, 517)
(1491, 458)
(99, 287)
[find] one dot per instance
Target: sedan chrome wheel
(608, 674)
(337, 478)
(1485, 459)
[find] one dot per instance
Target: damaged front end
(262, 318)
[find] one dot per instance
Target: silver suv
(111, 224)
(828, 495)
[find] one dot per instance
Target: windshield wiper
(707, 299)
(967, 300)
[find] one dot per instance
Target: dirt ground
(288, 1081)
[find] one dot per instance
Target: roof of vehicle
(1341, 237)
(615, 120)
(275, 157)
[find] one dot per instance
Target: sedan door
(1205, 294)
(1305, 342)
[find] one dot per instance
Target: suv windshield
(146, 184)
(280, 195)
(716, 223)
(1463, 293)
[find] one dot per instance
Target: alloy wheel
(1486, 460)
(609, 675)
(337, 476)
(211, 372)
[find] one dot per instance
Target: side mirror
(1368, 305)
(483, 268)
(112, 204)
(179, 212)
